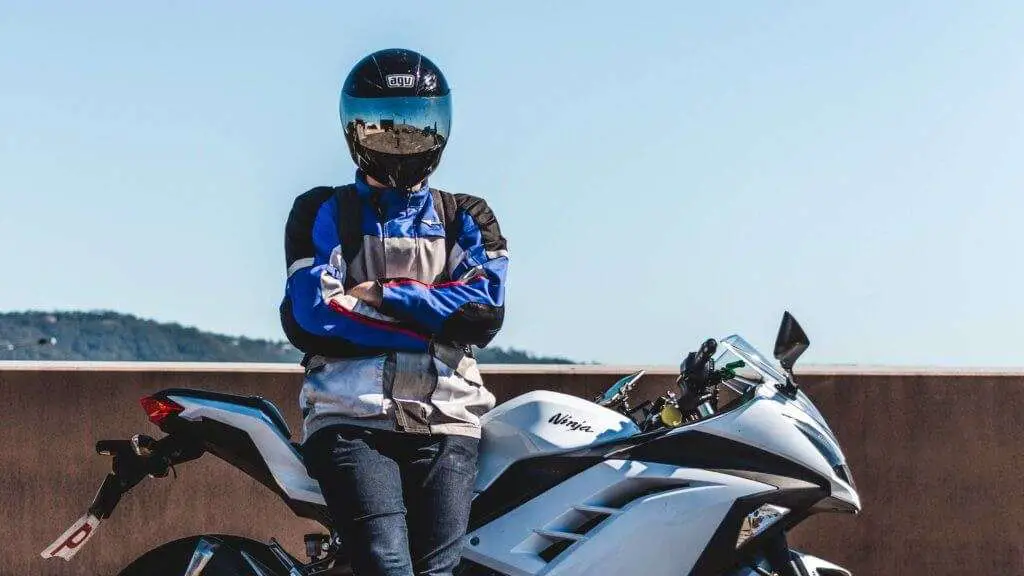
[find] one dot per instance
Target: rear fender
(133, 460)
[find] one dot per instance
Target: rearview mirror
(791, 342)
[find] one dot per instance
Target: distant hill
(122, 337)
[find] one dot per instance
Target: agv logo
(400, 80)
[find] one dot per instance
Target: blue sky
(663, 171)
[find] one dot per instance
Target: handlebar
(694, 369)
(698, 381)
(707, 350)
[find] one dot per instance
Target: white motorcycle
(706, 481)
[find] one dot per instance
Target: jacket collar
(391, 196)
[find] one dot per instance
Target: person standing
(390, 284)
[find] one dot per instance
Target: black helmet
(396, 111)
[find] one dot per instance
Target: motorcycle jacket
(440, 261)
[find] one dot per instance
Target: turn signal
(160, 409)
(758, 521)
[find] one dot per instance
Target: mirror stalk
(791, 342)
(789, 388)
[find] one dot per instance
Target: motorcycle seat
(260, 403)
(272, 412)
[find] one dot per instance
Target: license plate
(72, 540)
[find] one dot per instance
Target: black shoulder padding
(481, 213)
(298, 232)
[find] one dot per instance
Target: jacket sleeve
(469, 309)
(316, 314)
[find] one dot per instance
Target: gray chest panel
(421, 259)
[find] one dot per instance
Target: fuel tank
(542, 422)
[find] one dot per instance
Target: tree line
(112, 336)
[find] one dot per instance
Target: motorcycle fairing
(802, 441)
(542, 422)
(529, 482)
(574, 528)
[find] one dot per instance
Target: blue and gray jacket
(405, 366)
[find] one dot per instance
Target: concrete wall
(938, 457)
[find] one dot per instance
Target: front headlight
(758, 521)
(828, 447)
(843, 471)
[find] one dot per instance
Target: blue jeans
(401, 501)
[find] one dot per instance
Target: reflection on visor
(397, 126)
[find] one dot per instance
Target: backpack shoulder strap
(350, 226)
(447, 211)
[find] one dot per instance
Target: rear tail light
(160, 409)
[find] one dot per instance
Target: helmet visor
(398, 126)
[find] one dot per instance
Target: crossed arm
(391, 313)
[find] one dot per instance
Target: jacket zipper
(383, 233)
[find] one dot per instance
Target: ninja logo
(400, 80)
(566, 420)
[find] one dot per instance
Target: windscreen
(740, 348)
(754, 359)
